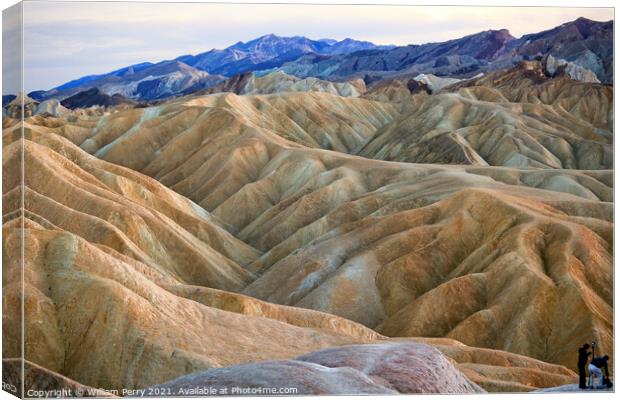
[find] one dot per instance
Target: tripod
(590, 382)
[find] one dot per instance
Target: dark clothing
(581, 364)
(600, 362)
(583, 356)
(582, 377)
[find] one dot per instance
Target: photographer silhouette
(596, 368)
(584, 354)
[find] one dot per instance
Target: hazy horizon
(65, 41)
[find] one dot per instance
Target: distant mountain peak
(498, 33)
(328, 40)
(584, 20)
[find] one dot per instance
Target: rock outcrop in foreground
(41, 382)
(388, 368)
(501, 371)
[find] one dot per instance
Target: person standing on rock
(584, 354)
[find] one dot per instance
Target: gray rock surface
(555, 66)
(574, 388)
(51, 107)
(386, 368)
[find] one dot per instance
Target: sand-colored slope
(486, 267)
(492, 256)
(527, 83)
(108, 255)
(104, 321)
(111, 206)
(118, 338)
(515, 118)
(279, 82)
(212, 138)
(319, 120)
(106, 311)
(384, 244)
(463, 128)
(500, 371)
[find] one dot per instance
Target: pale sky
(64, 41)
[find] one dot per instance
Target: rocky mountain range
(583, 45)
(583, 42)
(148, 81)
(140, 82)
(270, 51)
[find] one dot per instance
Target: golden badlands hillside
(105, 309)
(517, 118)
(278, 81)
(218, 230)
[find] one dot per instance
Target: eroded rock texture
(225, 230)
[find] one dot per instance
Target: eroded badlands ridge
(250, 223)
(97, 292)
